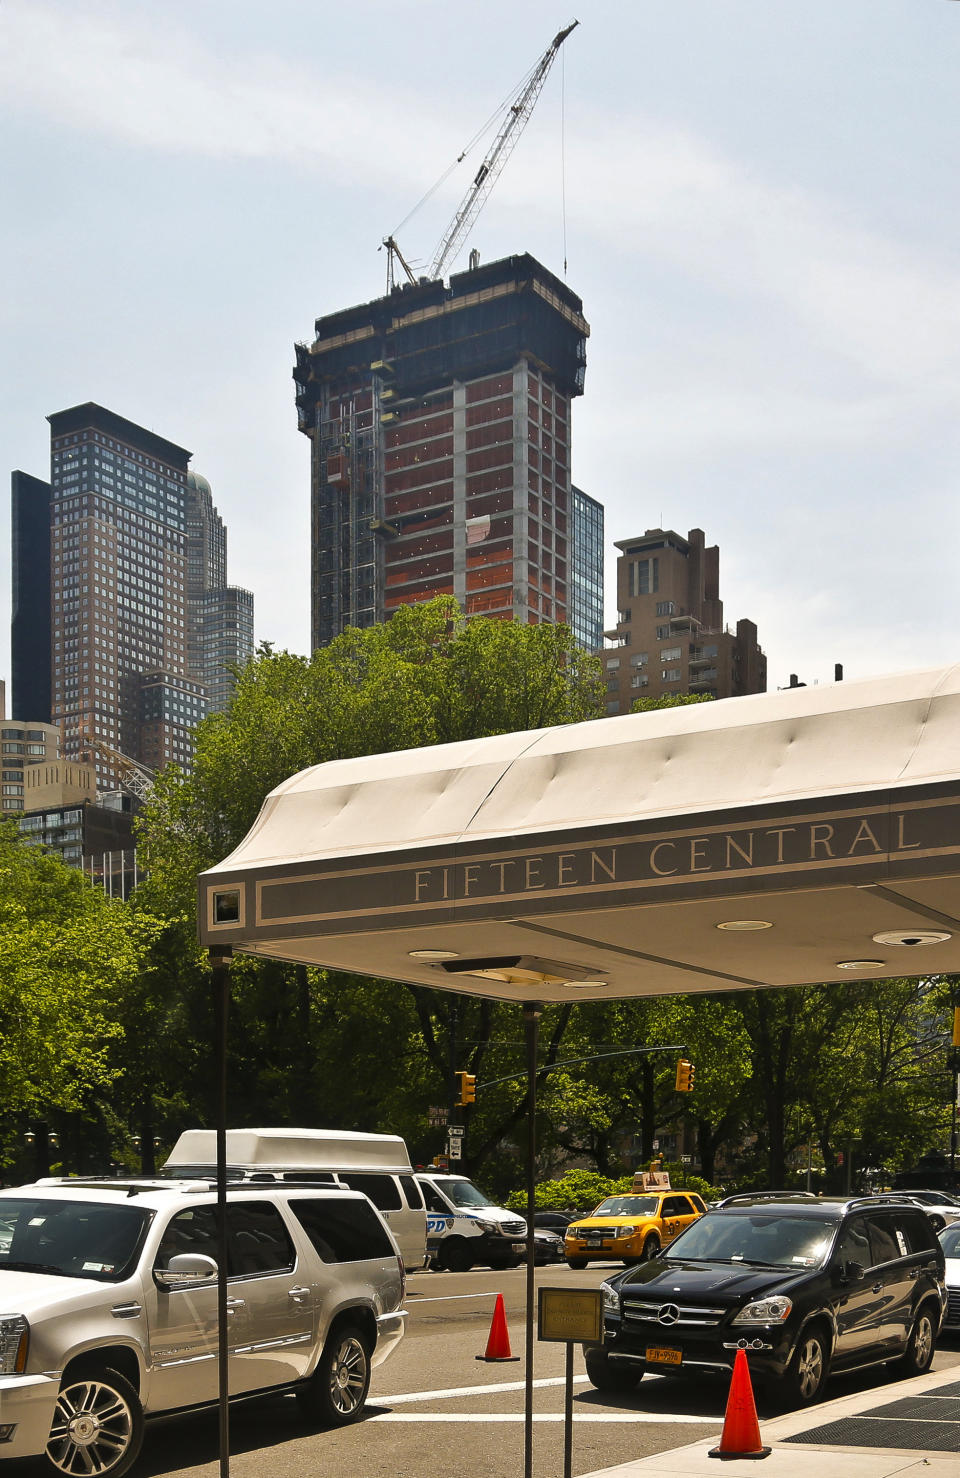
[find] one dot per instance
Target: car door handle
(298, 1293)
(877, 1288)
(235, 1303)
(915, 1273)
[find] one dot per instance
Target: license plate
(661, 1355)
(594, 1242)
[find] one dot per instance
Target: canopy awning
(759, 841)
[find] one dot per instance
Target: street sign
(455, 1131)
(456, 1147)
(436, 1114)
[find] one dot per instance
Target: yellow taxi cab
(630, 1227)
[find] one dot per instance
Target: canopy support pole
(532, 1012)
(220, 966)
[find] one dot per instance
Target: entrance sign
(570, 1314)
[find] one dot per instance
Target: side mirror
(184, 1268)
(848, 1272)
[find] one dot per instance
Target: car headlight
(14, 1342)
(627, 1231)
(486, 1226)
(611, 1299)
(765, 1311)
(573, 1232)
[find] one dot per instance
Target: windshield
(464, 1193)
(627, 1206)
(762, 1237)
(77, 1239)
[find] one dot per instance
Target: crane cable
(563, 154)
(481, 133)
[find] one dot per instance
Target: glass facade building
(585, 609)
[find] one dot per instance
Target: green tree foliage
(68, 956)
(314, 1046)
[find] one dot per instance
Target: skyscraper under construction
(439, 421)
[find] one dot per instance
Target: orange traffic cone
(498, 1344)
(741, 1430)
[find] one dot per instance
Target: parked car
(547, 1245)
(805, 1286)
(554, 1221)
(940, 1212)
(950, 1242)
(630, 1227)
(109, 1296)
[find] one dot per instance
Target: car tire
(335, 1394)
(651, 1248)
(97, 1425)
(921, 1344)
(807, 1372)
(456, 1256)
(577, 1263)
(608, 1375)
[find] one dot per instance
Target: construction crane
(517, 116)
(133, 776)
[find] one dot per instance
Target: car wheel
(455, 1256)
(577, 1263)
(97, 1425)
(651, 1248)
(607, 1375)
(335, 1394)
(918, 1356)
(807, 1372)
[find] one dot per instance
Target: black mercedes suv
(805, 1285)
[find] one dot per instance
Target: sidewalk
(797, 1459)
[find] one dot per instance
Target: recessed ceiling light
(860, 964)
(585, 984)
(744, 926)
(526, 970)
(912, 938)
(433, 954)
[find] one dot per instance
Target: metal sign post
(573, 1316)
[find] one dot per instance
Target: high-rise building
(220, 616)
(439, 421)
(107, 549)
(670, 637)
(585, 606)
(30, 626)
(22, 746)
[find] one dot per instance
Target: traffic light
(468, 1089)
(956, 1026)
(685, 1076)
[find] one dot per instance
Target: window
(258, 1239)
(666, 608)
(411, 1190)
(644, 576)
(670, 675)
(382, 1189)
(663, 632)
(671, 654)
(341, 1230)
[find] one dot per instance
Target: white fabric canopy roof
(614, 850)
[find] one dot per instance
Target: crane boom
(518, 115)
(133, 776)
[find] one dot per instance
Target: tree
(68, 954)
(428, 676)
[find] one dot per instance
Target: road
(436, 1411)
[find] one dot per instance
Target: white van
(377, 1164)
(465, 1227)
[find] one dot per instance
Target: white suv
(108, 1308)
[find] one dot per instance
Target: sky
(756, 200)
